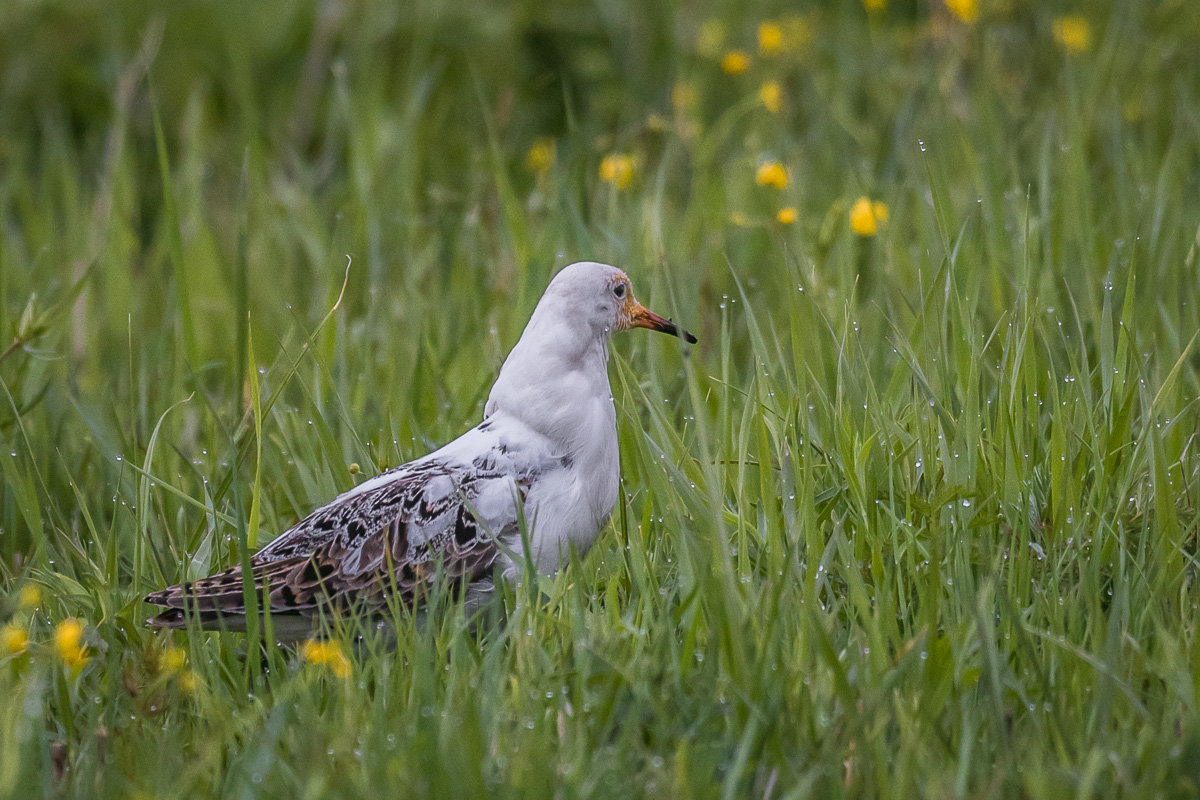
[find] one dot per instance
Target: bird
(532, 484)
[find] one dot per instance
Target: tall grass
(915, 518)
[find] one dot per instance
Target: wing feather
(392, 534)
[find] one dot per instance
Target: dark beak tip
(648, 319)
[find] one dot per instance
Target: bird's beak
(642, 317)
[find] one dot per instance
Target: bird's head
(602, 296)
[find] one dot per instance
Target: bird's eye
(619, 290)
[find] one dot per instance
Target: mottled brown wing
(328, 580)
(385, 540)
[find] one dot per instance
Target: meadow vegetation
(916, 517)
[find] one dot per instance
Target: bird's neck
(555, 380)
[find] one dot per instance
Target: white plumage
(546, 452)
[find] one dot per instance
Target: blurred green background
(916, 516)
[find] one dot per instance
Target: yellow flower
(966, 10)
(787, 215)
(172, 660)
(771, 173)
(874, 5)
(770, 38)
(739, 219)
(540, 157)
(326, 654)
(866, 216)
(735, 62)
(617, 169)
(13, 640)
(771, 95)
(29, 596)
(68, 643)
(1074, 33)
(683, 97)
(712, 36)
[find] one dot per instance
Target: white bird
(544, 456)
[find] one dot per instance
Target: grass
(917, 517)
